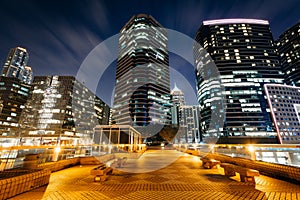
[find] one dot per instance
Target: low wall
(34, 178)
(279, 171)
(97, 160)
(92, 160)
(59, 165)
(10, 187)
(284, 172)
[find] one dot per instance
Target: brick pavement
(182, 179)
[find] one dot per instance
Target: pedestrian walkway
(164, 174)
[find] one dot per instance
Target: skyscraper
(284, 101)
(142, 92)
(186, 116)
(177, 96)
(27, 75)
(288, 46)
(189, 118)
(62, 107)
(13, 96)
(245, 56)
(16, 65)
(178, 99)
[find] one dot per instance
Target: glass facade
(284, 103)
(61, 108)
(189, 118)
(186, 116)
(177, 96)
(288, 46)
(16, 65)
(142, 92)
(245, 55)
(178, 99)
(13, 96)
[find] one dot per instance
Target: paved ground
(184, 178)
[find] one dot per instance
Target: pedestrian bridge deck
(160, 174)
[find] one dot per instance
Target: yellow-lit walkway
(162, 174)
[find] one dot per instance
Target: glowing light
(235, 21)
(251, 148)
(57, 149)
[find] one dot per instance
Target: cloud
(57, 44)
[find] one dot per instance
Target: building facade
(284, 101)
(244, 53)
(61, 109)
(288, 46)
(142, 92)
(189, 119)
(177, 96)
(16, 65)
(178, 99)
(13, 96)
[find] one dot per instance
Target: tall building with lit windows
(288, 46)
(244, 53)
(13, 97)
(178, 99)
(187, 118)
(61, 109)
(177, 96)
(16, 65)
(284, 101)
(142, 92)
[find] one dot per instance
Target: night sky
(59, 34)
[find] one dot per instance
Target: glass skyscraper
(186, 116)
(177, 96)
(288, 46)
(244, 53)
(61, 107)
(16, 65)
(142, 92)
(284, 101)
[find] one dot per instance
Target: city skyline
(58, 38)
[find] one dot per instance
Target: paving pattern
(183, 178)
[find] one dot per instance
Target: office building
(288, 46)
(178, 99)
(16, 65)
(27, 75)
(284, 101)
(177, 96)
(244, 53)
(142, 92)
(187, 117)
(13, 96)
(61, 109)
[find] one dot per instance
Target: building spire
(176, 88)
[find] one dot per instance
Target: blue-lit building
(244, 53)
(288, 45)
(16, 65)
